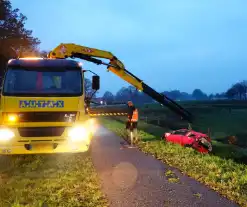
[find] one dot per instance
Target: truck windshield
(41, 82)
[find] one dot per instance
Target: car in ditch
(189, 138)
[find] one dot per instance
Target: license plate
(41, 147)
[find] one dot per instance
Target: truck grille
(41, 131)
(47, 116)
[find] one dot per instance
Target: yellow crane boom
(86, 53)
(117, 67)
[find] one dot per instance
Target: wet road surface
(130, 178)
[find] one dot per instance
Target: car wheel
(163, 138)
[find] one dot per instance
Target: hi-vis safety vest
(135, 116)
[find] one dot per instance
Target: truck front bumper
(44, 148)
(46, 145)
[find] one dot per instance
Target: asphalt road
(131, 178)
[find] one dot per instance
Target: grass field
(220, 118)
(223, 175)
(49, 180)
(220, 149)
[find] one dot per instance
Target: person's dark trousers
(132, 127)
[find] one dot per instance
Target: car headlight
(78, 134)
(6, 134)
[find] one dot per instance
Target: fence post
(209, 134)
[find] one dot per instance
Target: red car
(189, 138)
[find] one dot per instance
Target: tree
(108, 97)
(2, 11)
(175, 94)
(199, 95)
(123, 94)
(211, 96)
(13, 35)
(88, 88)
(185, 96)
(231, 93)
(238, 90)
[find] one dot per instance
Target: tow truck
(43, 103)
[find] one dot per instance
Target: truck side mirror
(95, 82)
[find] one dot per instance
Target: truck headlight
(78, 134)
(12, 118)
(6, 134)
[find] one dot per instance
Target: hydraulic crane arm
(117, 67)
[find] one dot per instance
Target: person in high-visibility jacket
(132, 121)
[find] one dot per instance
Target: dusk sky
(176, 44)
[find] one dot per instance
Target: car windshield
(43, 82)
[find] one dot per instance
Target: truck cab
(43, 107)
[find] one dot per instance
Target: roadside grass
(49, 180)
(223, 175)
(219, 149)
